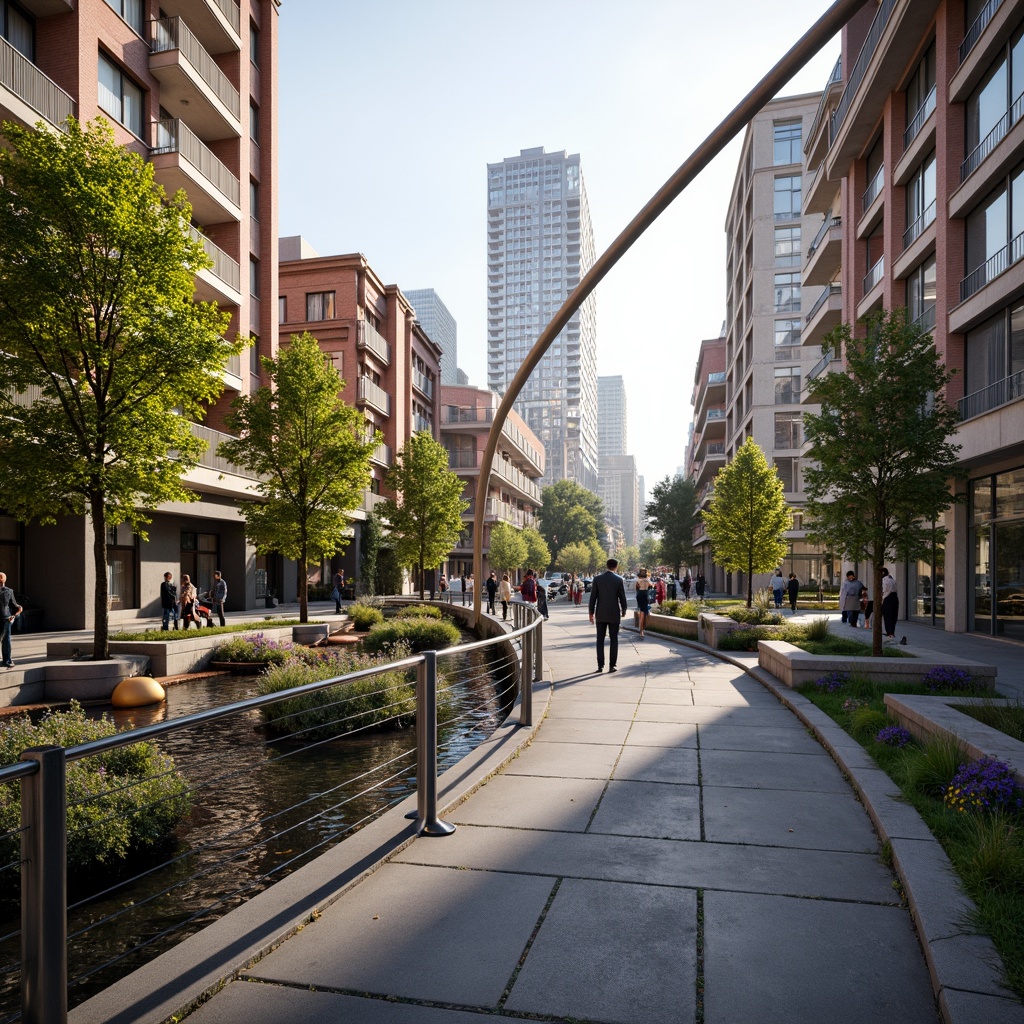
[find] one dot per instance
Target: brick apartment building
(914, 162)
(192, 86)
(513, 488)
(391, 368)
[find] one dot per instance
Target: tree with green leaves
(370, 550)
(538, 554)
(507, 550)
(568, 513)
(879, 457)
(426, 516)
(576, 557)
(748, 515)
(650, 550)
(598, 557)
(672, 512)
(107, 357)
(311, 453)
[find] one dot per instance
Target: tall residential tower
(437, 321)
(539, 245)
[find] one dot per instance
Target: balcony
(915, 230)
(979, 26)
(423, 384)
(474, 419)
(221, 283)
(992, 268)
(926, 321)
(44, 8)
(874, 189)
(216, 23)
(371, 394)
(189, 77)
(371, 500)
(714, 423)
(1008, 389)
(994, 137)
(368, 338)
(712, 460)
(827, 360)
(829, 95)
(874, 276)
(420, 423)
(825, 314)
(825, 253)
(917, 122)
(26, 94)
(232, 372)
(711, 390)
(383, 455)
(182, 160)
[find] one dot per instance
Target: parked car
(554, 586)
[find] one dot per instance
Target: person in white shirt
(890, 604)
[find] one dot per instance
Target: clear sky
(390, 112)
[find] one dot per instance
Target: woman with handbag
(188, 597)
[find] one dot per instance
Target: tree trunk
(750, 582)
(303, 582)
(876, 608)
(101, 609)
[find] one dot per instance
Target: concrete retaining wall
(669, 624)
(795, 667)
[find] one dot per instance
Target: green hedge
(419, 633)
(365, 614)
(120, 803)
(422, 611)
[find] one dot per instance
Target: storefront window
(998, 546)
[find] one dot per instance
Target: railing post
(427, 821)
(526, 680)
(538, 650)
(44, 958)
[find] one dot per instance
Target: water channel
(260, 809)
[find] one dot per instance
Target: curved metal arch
(827, 26)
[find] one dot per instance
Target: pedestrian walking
(491, 586)
(219, 595)
(849, 599)
(687, 583)
(700, 585)
(542, 598)
(528, 588)
(778, 587)
(168, 602)
(607, 606)
(793, 586)
(660, 590)
(504, 594)
(462, 579)
(339, 582)
(890, 605)
(643, 598)
(9, 611)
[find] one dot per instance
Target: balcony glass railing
(368, 337)
(830, 290)
(421, 423)
(373, 394)
(827, 225)
(873, 189)
(974, 32)
(174, 34)
(819, 367)
(867, 51)
(211, 460)
(836, 76)
(994, 137)
(29, 84)
(918, 120)
(423, 384)
(174, 136)
(1006, 390)
(914, 231)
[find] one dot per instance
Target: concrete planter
(711, 627)
(669, 624)
(795, 667)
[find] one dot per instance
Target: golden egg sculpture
(137, 692)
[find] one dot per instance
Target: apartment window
(787, 385)
(131, 11)
(995, 351)
(282, 309)
(787, 469)
(254, 43)
(787, 247)
(786, 142)
(254, 354)
(987, 230)
(18, 29)
(920, 91)
(921, 294)
(920, 199)
(254, 277)
(254, 200)
(320, 305)
(787, 293)
(254, 122)
(787, 197)
(789, 430)
(994, 98)
(787, 333)
(119, 96)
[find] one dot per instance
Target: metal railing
(230, 11)
(827, 293)
(992, 267)
(211, 460)
(926, 320)
(452, 415)
(836, 76)
(28, 83)
(826, 226)
(914, 231)
(994, 137)
(819, 367)
(174, 34)
(1006, 390)
(918, 120)
(874, 275)
(873, 189)
(974, 32)
(369, 337)
(215, 872)
(224, 267)
(423, 384)
(383, 455)
(867, 51)
(172, 135)
(373, 394)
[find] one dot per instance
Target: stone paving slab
(571, 761)
(810, 772)
(814, 874)
(772, 960)
(771, 817)
(621, 711)
(657, 810)
(752, 718)
(575, 730)
(662, 734)
(418, 933)
(658, 764)
(523, 801)
(788, 739)
(733, 698)
(602, 977)
(597, 693)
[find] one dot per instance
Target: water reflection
(261, 809)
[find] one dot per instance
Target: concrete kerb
(965, 984)
(187, 975)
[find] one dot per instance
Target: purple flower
(984, 785)
(832, 682)
(945, 678)
(893, 736)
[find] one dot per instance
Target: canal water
(260, 809)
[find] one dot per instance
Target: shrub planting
(365, 614)
(254, 648)
(419, 611)
(418, 633)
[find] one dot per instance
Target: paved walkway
(673, 846)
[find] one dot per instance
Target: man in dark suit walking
(608, 599)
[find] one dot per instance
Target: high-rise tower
(436, 319)
(539, 245)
